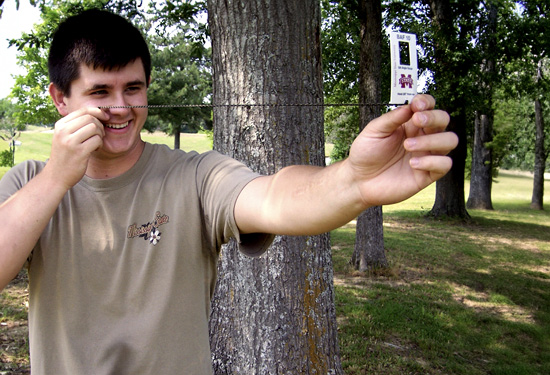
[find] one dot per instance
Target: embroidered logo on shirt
(150, 231)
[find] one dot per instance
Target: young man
(122, 237)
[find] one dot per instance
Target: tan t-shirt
(122, 276)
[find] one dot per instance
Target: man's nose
(119, 105)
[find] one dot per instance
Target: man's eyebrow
(98, 86)
(102, 86)
(137, 82)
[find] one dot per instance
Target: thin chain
(249, 105)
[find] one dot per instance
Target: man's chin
(114, 150)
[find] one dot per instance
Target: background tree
(453, 58)
(9, 132)
(341, 50)
(482, 156)
(180, 75)
(341, 54)
(536, 15)
(540, 153)
(352, 58)
(178, 37)
(527, 77)
(274, 314)
(369, 251)
(446, 31)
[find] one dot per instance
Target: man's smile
(117, 126)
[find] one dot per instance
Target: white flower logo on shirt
(154, 236)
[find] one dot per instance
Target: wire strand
(252, 105)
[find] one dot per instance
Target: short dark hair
(99, 39)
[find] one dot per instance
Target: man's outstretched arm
(394, 157)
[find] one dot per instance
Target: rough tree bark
(274, 314)
(482, 164)
(369, 251)
(481, 180)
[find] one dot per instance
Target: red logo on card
(406, 81)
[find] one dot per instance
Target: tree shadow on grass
(469, 298)
(426, 329)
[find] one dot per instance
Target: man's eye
(133, 88)
(99, 92)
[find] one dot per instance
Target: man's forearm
(23, 217)
(299, 200)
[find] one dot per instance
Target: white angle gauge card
(404, 67)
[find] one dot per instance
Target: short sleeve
(220, 180)
(17, 177)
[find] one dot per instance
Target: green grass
(458, 298)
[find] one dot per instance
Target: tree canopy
(453, 54)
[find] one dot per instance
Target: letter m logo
(406, 81)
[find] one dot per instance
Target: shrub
(6, 158)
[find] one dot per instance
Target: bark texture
(482, 165)
(274, 314)
(369, 253)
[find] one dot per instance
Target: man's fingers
(431, 121)
(91, 129)
(93, 143)
(92, 111)
(75, 124)
(420, 112)
(437, 144)
(422, 102)
(436, 165)
(390, 121)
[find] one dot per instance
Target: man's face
(122, 87)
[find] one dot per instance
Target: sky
(12, 24)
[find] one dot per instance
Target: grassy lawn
(458, 298)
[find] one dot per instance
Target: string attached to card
(250, 105)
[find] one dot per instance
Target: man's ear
(58, 100)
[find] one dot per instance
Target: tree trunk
(482, 158)
(369, 234)
(449, 190)
(449, 197)
(274, 314)
(540, 159)
(369, 251)
(177, 137)
(482, 164)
